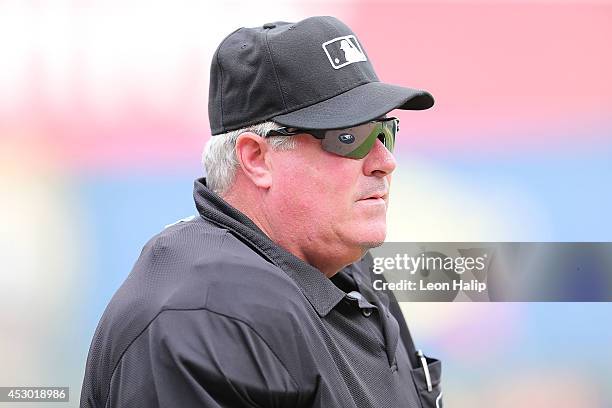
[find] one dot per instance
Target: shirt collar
(322, 294)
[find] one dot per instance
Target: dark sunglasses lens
(357, 142)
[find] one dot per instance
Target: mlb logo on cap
(343, 51)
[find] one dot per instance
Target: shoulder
(193, 265)
(234, 299)
(196, 282)
(224, 273)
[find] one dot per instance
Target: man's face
(335, 206)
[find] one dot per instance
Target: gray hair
(219, 157)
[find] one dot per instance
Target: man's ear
(253, 154)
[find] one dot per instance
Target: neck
(325, 256)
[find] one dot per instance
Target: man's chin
(371, 244)
(366, 238)
(373, 240)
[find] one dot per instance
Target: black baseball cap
(314, 74)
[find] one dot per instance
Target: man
(262, 300)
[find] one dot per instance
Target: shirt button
(366, 312)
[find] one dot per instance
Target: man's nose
(379, 161)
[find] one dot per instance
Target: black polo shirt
(215, 314)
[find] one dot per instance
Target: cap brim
(356, 106)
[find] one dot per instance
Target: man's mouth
(376, 198)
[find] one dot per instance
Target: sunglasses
(354, 142)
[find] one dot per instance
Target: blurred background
(103, 116)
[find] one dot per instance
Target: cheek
(333, 187)
(321, 191)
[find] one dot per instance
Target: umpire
(262, 299)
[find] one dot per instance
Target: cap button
(269, 25)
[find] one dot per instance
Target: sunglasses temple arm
(319, 134)
(280, 132)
